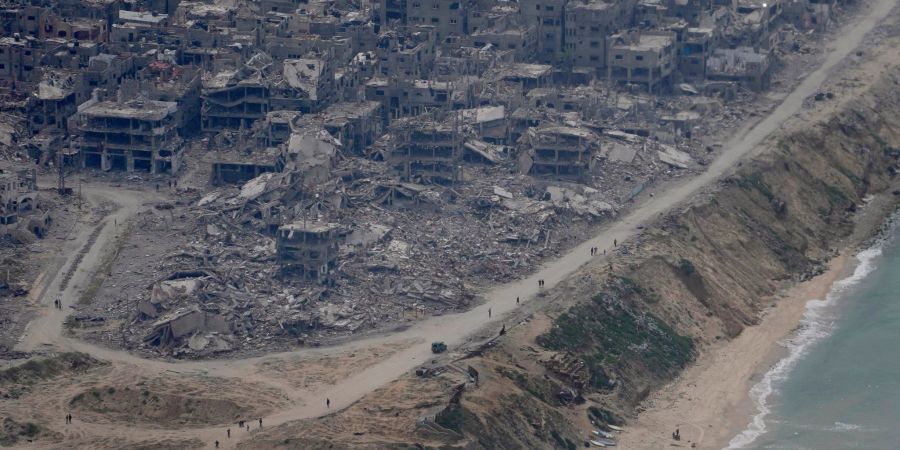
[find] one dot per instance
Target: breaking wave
(816, 324)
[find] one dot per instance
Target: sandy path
(453, 329)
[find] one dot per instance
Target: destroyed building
(646, 58)
(133, 136)
(20, 207)
(696, 47)
(307, 85)
(408, 52)
(168, 82)
(587, 24)
(234, 99)
(333, 146)
(744, 65)
(426, 151)
(549, 18)
(447, 18)
(559, 151)
(355, 124)
(309, 250)
(54, 101)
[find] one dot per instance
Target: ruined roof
(312, 147)
(352, 109)
(134, 109)
(594, 5)
(55, 85)
(309, 227)
(483, 114)
(142, 17)
(642, 42)
(304, 74)
(742, 60)
(282, 116)
(566, 131)
(522, 70)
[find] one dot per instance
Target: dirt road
(45, 331)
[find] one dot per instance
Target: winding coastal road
(45, 332)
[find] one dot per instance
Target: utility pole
(61, 174)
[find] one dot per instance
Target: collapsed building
(342, 153)
(743, 65)
(426, 151)
(308, 249)
(558, 151)
(20, 207)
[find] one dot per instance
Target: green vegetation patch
(608, 334)
(42, 369)
(12, 432)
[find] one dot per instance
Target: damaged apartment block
(308, 250)
(139, 135)
(560, 151)
(642, 57)
(427, 151)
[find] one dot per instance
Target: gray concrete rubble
(333, 168)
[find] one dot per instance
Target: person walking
(228, 432)
(217, 444)
(517, 300)
(260, 422)
(615, 243)
(328, 403)
(489, 312)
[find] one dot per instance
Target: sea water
(838, 387)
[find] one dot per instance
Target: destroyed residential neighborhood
(193, 180)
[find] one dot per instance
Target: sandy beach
(710, 402)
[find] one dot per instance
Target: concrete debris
(351, 166)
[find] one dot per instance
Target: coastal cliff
(703, 273)
(618, 331)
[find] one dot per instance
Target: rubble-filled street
(305, 200)
(396, 223)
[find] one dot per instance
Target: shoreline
(710, 402)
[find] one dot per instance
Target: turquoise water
(839, 385)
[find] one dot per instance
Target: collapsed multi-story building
(308, 250)
(426, 151)
(234, 100)
(559, 151)
(137, 135)
(20, 206)
(695, 50)
(18, 194)
(743, 65)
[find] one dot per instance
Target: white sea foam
(841, 426)
(816, 324)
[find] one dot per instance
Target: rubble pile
(405, 250)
